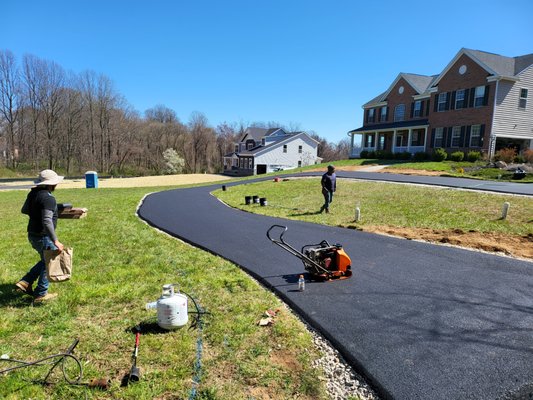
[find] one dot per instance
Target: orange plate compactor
(323, 261)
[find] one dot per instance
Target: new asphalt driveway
(419, 321)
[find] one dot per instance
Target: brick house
(478, 102)
(261, 150)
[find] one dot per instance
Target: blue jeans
(38, 271)
(328, 198)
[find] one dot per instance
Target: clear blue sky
(312, 63)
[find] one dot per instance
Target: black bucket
(223, 188)
(255, 199)
(263, 201)
(248, 200)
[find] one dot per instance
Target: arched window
(399, 112)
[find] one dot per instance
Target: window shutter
(427, 107)
(436, 102)
(486, 97)
(463, 136)
(447, 107)
(412, 109)
(467, 135)
(366, 115)
(465, 102)
(432, 139)
(387, 114)
(471, 97)
(481, 135)
(452, 103)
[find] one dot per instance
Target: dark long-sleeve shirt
(41, 207)
(329, 182)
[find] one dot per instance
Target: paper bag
(58, 265)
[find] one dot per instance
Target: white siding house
(513, 109)
(277, 150)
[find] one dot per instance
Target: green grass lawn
(120, 264)
(385, 204)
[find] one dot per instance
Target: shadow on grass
(300, 214)
(9, 297)
(147, 327)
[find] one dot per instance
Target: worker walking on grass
(41, 207)
(329, 185)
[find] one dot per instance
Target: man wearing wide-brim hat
(41, 207)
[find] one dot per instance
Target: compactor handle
(280, 239)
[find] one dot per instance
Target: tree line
(74, 122)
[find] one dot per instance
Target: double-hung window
(439, 137)
(399, 112)
(523, 98)
(284, 148)
(300, 149)
(417, 110)
(371, 115)
(475, 136)
(383, 115)
(369, 140)
(456, 136)
(479, 96)
(460, 99)
(442, 101)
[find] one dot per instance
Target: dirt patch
(142, 181)
(512, 245)
(411, 172)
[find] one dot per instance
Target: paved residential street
(419, 321)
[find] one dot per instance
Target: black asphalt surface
(419, 321)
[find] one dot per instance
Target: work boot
(327, 210)
(24, 287)
(45, 297)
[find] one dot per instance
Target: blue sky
(311, 63)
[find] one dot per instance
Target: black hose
(60, 359)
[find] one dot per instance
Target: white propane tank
(172, 312)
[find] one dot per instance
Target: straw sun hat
(48, 177)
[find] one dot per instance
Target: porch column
(351, 146)
(394, 141)
(409, 140)
(425, 138)
(376, 140)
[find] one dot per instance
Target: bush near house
(519, 159)
(384, 155)
(506, 155)
(439, 154)
(404, 155)
(421, 156)
(528, 156)
(364, 154)
(473, 156)
(457, 156)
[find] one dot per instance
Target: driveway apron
(419, 321)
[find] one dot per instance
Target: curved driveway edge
(419, 321)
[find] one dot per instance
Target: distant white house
(260, 151)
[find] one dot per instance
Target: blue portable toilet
(91, 179)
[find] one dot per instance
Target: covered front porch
(393, 139)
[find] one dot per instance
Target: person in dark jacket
(41, 207)
(329, 185)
